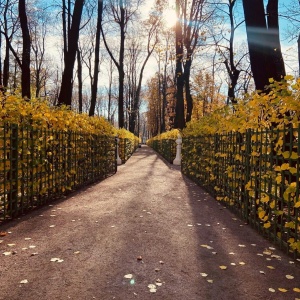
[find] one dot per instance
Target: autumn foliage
(247, 156)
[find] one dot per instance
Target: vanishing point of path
(150, 224)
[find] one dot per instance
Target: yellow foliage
(39, 114)
(255, 111)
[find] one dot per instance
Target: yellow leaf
(267, 225)
(289, 276)
(285, 167)
(261, 214)
(297, 205)
(272, 204)
(297, 290)
(223, 267)
(294, 155)
(286, 154)
(270, 267)
(282, 290)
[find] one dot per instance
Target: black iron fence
(256, 174)
(127, 147)
(38, 165)
(165, 147)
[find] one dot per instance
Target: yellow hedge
(39, 114)
(281, 106)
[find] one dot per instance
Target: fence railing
(39, 165)
(256, 174)
(165, 147)
(126, 148)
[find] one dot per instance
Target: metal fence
(165, 147)
(256, 174)
(126, 148)
(38, 165)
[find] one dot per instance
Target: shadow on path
(149, 221)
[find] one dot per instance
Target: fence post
(13, 172)
(119, 161)
(177, 160)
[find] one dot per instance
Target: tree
(151, 26)
(192, 17)
(122, 12)
(179, 110)
(263, 42)
(65, 95)
(25, 81)
(96, 63)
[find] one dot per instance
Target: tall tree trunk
(299, 56)
(264, 62)
(25, 77)
(1, 74)
(179, 121)
(121, 66)
(80, 84)
(278, 69)
(97, 59)
(188, 96)
(65, 95)
(6, 66)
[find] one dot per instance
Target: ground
(148, 224)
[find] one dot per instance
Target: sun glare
(169, 17)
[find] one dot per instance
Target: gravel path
(147, 224)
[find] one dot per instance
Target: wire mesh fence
(256, 174)
(38, 165)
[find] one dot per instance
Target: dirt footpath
(145, 233)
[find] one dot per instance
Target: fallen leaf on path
(282, 290)
(289, 276)
(262, 272)
(253, 245)
(233, 264)
(151, 286)
(203, 274)
(11, 245)
(272, 290)
(223, 267)
(24, 281)
(51, 226)
(242, 246)
(7, 253)
(128, 276)
(210, 280)
(27, 239)
(206, 246)
(56, 259)
(32, 247)
(3, 233)
(270, 267)
(241, 263)
(76, 252)
(231, 253)
(297, 290)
